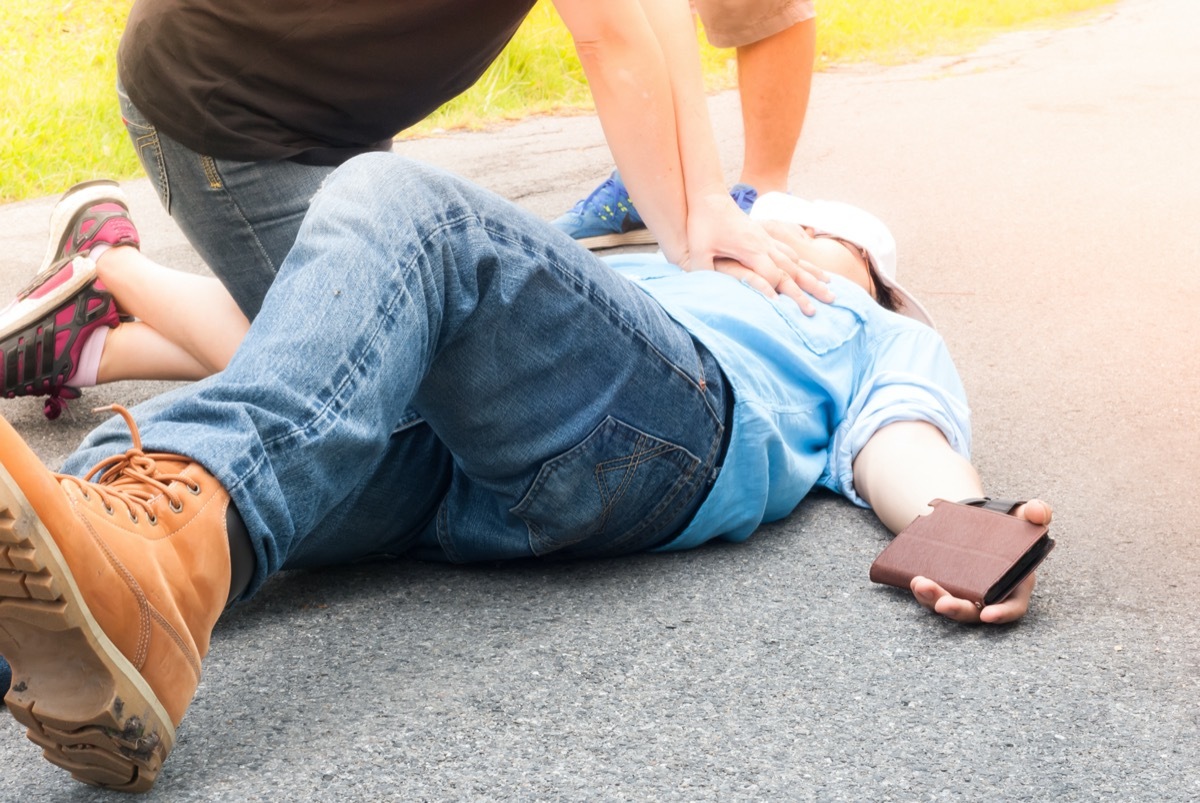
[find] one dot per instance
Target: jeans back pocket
(610, 494)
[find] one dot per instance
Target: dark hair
(885, 296)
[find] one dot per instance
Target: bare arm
(900, 469)
(627, 74)
(643, 68)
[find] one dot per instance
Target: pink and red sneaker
(43, 331)
(88, 214)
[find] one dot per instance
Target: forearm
(643, 69)
(673, 27)
(906, 464)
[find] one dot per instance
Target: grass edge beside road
(60, 123)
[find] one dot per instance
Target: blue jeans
(437, 370)
(241, 217)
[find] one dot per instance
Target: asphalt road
(1044, 191)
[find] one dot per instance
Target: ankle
(108, 257)
(242, 561)
(765, 182)
(87, 371)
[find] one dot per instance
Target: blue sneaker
(606, 218)
(744, 196)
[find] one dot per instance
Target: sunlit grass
(59, 121)
(894, 32)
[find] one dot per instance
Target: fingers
(800, 284)
(766, 258)
(937, 599)
(771, 283)
(788, 233)
(1035, 511)
(1013, 608)
(769, 287)
(782, 260)
(812, 280)
(789, 241)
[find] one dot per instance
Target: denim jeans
(438, 370)
(241, 217)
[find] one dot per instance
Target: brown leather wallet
(976, 554)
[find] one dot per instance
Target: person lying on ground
(469, 385)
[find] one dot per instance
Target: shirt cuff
(894, 398)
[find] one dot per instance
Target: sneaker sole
(26, 311)
(82, 701)
(635, 237)
(66, 215)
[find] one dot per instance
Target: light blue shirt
(808, 391)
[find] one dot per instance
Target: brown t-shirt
(317, 81)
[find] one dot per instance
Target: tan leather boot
(109, 591)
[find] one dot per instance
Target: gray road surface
(1045, 194)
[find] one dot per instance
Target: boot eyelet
(152, 519)
(87, 497)
(133, 517)
(193, 489)
(175, 508)
(108, 508)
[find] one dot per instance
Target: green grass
(58, 109)
(58, 113)
(904, 30)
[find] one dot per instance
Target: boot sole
(83, 702)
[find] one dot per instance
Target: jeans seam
(147, 137)
(631, 463)
(614, 313)
(216, 182)
(667, 509)
(311, 424)
(164, 183)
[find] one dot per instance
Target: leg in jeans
(241, 217)
(580, 417)
(463, 377)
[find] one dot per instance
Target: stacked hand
(764, 256)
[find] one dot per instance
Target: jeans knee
(387, 178)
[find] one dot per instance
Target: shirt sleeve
(912, 378)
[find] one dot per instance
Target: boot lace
(134, 478)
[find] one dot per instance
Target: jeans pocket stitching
(644, 449)
(149, 143)
(211, 173)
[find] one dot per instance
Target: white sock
(89, 359)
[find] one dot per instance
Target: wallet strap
(1006, 506)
